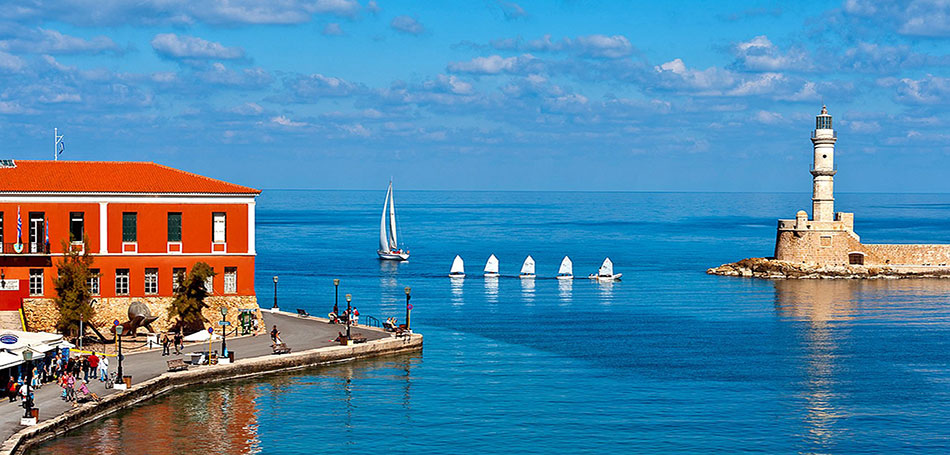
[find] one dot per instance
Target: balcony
(25, 249)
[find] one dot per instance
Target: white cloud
(10, 63)
(47, 41)
(492, 64)
(407, 24)
(511, 10)
(332, 29)
(283, 120)
(596, 46)
(191, 47)
(759, 54)
(769, 118)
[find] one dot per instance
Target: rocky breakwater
(775, 269)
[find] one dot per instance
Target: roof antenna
(59, 146)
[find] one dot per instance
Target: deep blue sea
(668, 360)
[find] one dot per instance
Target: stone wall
(909, 254)
(41, 314)
(831, 248)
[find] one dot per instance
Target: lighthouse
(823, 168)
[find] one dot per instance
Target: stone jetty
(777, 269)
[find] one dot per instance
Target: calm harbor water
(668, 360)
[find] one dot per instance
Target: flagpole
(55, 144)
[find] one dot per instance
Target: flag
(47, 231)
(62, 147)
(19, 226)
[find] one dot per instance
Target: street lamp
(408, 306)
(349, 317)
(28, 400)
(224, 331)
(336, 295)
(275, 294)
(118, 335)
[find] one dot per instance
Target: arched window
(856, 258)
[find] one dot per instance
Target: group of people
(352, 315)
(177, 339)
(70, 373)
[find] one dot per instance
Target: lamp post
(275, 294)
(349, 319)
(28, 400)
(118, 335)
(336, 294)
(224, 331)
(408, 306)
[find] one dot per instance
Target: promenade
(300, 334)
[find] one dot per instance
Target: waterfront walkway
(298, 333)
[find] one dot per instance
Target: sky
(485, 94)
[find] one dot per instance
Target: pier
(310, 338)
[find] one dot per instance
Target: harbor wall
(832, 248)
(240, 369)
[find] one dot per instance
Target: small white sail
(458, 266)
(393, 244)
(606, 269)
(491, 267)
(567, 267)
(527, 268)
(383, 239)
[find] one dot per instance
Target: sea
(668, 360)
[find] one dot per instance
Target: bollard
(127, 380)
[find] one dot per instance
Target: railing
(834, 134)
(25, 248)
(371, 321)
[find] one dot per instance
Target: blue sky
(485, 94)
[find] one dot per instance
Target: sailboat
(458, 268)
(606, 272)
(527, 269)
(388, 246)
(491, 267)
(566, 272)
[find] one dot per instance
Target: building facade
(828, 237)
(144, 224)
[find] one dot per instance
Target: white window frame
(151, 280)
(215, 217)
(209, 283)
(230, 280)
(94, 281)
(175, 283)
(36, 282)
(122, 279)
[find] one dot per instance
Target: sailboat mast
(392, 218)
(383, 240)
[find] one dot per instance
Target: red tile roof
(108, 177)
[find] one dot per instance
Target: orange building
(143, 222)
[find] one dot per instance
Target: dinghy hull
(391, 256)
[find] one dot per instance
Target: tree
(190, 298)
(74, 298)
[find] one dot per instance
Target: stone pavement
(298, 333)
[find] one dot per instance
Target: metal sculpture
(139, 316)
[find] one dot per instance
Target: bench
(177, 365)
(302, 313)
(281, 349)
(358, 338)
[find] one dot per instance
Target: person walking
(93, 365)
(275, 336)
(165, 343)
(179, 342)
(103, 368)
(70, 387)
(12, 388)
(84, 366)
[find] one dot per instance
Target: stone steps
(10, 320)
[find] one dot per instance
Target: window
(94, 281)
(129, 226)
(75, 226)
(174, 226)
(1, 231)
(209, 283)
(37, 232)
(230, 280)
(825, 241)
(218, 235)
(856, 258)
(178, 275)
(36, 281)
(121, 281)
(151, 281)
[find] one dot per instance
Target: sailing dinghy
(527, 269)
(566, 272)
(458, 268)
(606, 272)
(388, 246)
(491, 267)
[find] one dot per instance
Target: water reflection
(388, 274)
(491, 289)
(564, 291)
(606, 289)
(527, 290)
(457, 283)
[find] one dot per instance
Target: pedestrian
(93, 365)
(62, 384)
(275, 336)
(165, 343)
(84, 366)
(103, 368)
(256, 324)
(179, 342)
(70, 387)
(356, 316)
(336, 309)
(12, 388)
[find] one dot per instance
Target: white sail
(492, 265)
(606, 269)
(567, 267)
(528, 267)
(458, 266)
(393, 245)
(383, 239)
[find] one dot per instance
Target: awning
(8, 360)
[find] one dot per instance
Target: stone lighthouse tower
(823, 168)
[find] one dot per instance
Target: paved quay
(300, 334)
